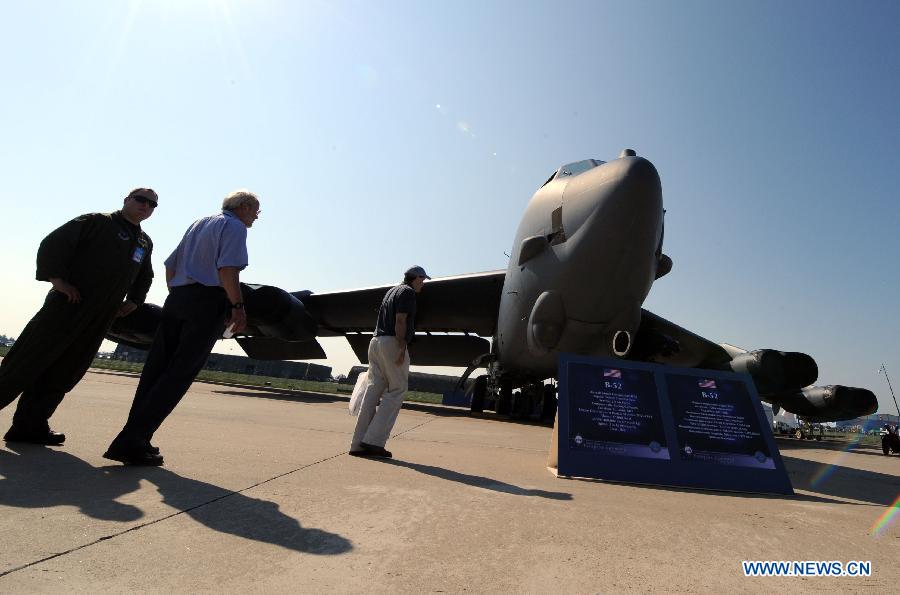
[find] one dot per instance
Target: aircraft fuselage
(584, 258)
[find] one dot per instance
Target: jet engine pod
(546, 322)
(138, 328)
(829, 403)
(799, 369)
(765, 366)
(776, 371)
(276, 313)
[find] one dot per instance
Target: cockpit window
(573, 169)
(550, 179)
(578, 167)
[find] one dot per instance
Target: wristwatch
(237, 306)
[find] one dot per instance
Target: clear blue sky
(381, 134)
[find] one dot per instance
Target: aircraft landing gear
(504, 399)
(548, 405)
(479, 393)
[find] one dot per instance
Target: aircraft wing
(282, 325)
(784, 379)
(661, 341)
(465, 305)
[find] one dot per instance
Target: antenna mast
(884, 370)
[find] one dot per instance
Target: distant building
(239, 364)
(870, 422)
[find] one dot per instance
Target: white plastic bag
(358, 391)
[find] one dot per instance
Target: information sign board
(646, 423)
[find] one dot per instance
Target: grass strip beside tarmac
(262, 381)
(253, 380)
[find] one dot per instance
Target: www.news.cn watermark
(806, 568)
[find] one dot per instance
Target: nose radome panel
(546, 322)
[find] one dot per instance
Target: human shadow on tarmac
(39, 477)
(477, 480)
(234, 513)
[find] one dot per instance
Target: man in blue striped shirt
(203, 275)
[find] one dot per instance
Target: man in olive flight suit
(94, 262)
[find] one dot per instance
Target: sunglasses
(145, 201)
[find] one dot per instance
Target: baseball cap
(417, 271)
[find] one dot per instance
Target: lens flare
(826, 471)
(886, 520)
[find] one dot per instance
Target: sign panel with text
(646, 423)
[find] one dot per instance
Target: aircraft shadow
(38, 477)
(431, 408)
(870, 452)
(866, 450)
(842, 482)
(794, 444)
(276, 394)
(476, 480)
(824, 482)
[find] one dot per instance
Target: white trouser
(385, 390)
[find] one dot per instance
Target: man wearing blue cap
(388, 366)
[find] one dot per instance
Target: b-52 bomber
(587, 251)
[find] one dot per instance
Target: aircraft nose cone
(616, 194)
(612, 218)
(638, 179)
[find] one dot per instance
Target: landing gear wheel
(548, 406)
(504, 400)
(479, 390)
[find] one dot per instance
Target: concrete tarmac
(259, 495)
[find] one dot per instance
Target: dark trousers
(193, 319)
(50, 357)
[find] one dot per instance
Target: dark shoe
(46, 437)
(133, 456)
(149, 447)
(376, 451)
(359, 453)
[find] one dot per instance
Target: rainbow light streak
(884, 521)
(826, 471)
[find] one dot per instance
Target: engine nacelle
(827, 403)
(776, 371)
(271, 312)
(275, 313)
(138, 328)
(800, 370)
(765, 366)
